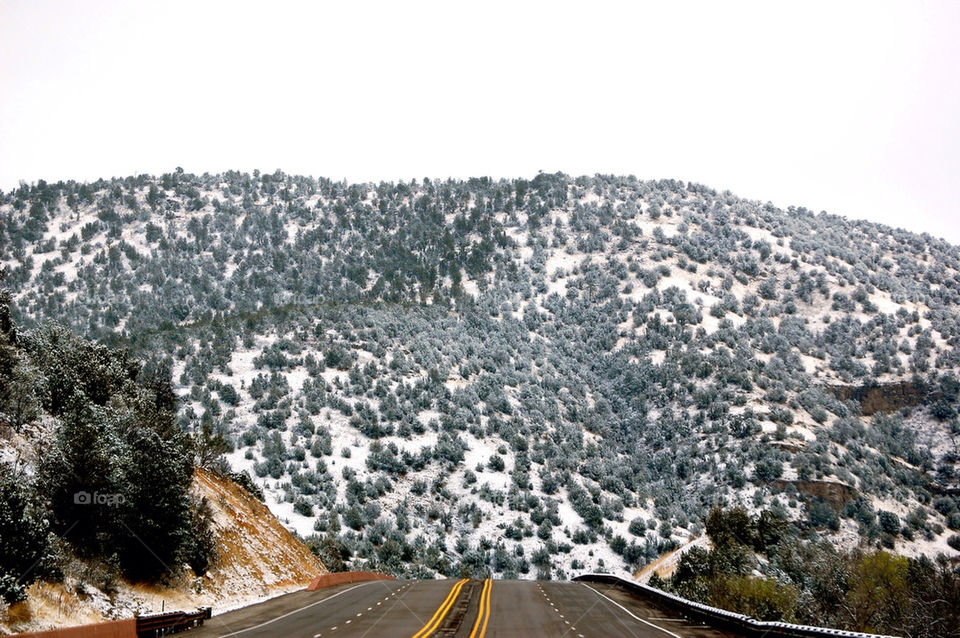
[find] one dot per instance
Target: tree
(768, 288)
(73, 367)
(889, 522)
(200, 549)
(156, 477)
(117, 475)
(210, 444)
(80, 477)
(9, 360)
(879, 593)
(943, 410)
(727, 527)
(21, 402)
(25, 541)
(771, 528)
(692, 573)
(7, 330)
(760, 598)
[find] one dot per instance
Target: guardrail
(171, 622)
(126, 628)
(340, 578)
(722, 617)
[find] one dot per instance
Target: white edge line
(297, 611)
(666, 631)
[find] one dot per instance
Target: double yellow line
(484, 613)
(441, 613)
(483, 617)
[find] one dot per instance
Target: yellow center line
(484, 613)
(441, 613)
(483, 630)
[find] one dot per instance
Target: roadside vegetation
(770, 569)
(105, 469)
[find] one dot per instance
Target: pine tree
(8, 353)
(156, 472)
(80, 478)
(21, 402)
(25, 543)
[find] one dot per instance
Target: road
(456, 609)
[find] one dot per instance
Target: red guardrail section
(126, 628)
(339, 578)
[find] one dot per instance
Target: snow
(296, 377)
(562, 260)
(665, 224)
(479, 453)
(559, 271)
(292, 520)
(687, 281)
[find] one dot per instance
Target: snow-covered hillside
(524, 377)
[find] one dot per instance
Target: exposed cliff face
(835, 494)
(882, 398)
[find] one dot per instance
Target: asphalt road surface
(456, 608)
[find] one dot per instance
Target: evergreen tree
(25, 541)
(8, 352)
(156, 477)
(80, 477)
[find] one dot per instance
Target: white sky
(844, 106)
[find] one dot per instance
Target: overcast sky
(849, 107)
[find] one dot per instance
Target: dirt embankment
(884, 398)
(255, 549)
(666, 564)
(257, 559)
(835, 494)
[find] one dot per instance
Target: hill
(523, 377)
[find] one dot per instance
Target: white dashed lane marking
(334, 628)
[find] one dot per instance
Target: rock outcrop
(884, 398)
(835, 494)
